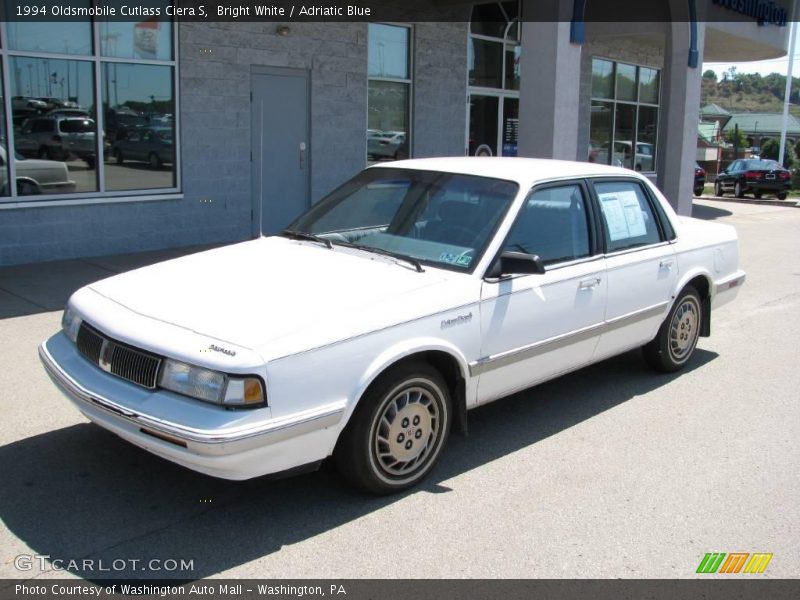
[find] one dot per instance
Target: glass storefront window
(624, 115)
(139, 119)
(483, 125)
(56, 145)
(388, 93)
(602, 79)
(388, 51)
(150, 39)
(512, 67)
(485, 63)
(626, 82)
(54, 120)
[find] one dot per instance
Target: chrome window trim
(510, 357)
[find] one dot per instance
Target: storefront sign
(764, 11)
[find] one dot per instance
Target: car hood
(278, 296)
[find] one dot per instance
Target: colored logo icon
(735, 562)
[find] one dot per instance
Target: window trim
(100, 196)
(409, 82)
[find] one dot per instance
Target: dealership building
(151, 134)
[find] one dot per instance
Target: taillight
(784, 175)
(698, 172)
(752, 175)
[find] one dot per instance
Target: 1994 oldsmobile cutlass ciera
(365, 331)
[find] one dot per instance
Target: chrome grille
(136, 366)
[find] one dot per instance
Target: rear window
(77, 126)
(761, 164)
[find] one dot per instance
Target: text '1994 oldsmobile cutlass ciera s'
(366, 330)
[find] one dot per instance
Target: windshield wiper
(416, 264)
(304, 235)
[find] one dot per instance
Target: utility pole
(787, 93)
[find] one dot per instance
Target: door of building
(279, 146)
(493, 124)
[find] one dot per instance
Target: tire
(90, 162)
(698, 191)
(757, 194)
(677, 337)
(154, 160)
(718, 189)
(781, 195)
(397, 431)
(118, 158)
(738, 191)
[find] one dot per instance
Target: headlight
(70, 323)
(211, 386)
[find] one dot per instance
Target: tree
(772, 146)
(710, 74)
(731, 139)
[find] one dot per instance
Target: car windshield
(442, 219)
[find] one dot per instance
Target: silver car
(36, 176)
(58, 137)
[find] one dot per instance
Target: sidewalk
(43, 287)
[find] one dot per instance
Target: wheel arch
(25, 179)
(701, 281)
(445, 358)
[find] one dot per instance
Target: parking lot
(612, 471)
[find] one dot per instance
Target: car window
(443, 219)
(552, 224)
(77, 125)
(735, 166)
(627, 215)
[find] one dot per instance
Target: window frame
(637, 104)
(409, 82)
(97, 60)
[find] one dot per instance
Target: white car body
(40, 176)
(319, 325)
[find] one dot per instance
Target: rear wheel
(738, 190)
(27, 188)
(757, 194)
(698, 191)
(118, 157)
(155, 161)
(398, 430)
(717, 188)
(781, 195)
(677, 337)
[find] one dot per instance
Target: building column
(550, 74)
(679, 116)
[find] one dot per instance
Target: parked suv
(58, 137)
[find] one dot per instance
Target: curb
(776, 202)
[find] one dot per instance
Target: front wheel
(677, 337)
(718, 189)
(398, 430)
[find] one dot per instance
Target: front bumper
(209, 439)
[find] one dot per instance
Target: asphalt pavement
(612, 471)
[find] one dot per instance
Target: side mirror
(516, 263)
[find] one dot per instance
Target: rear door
(641, 267)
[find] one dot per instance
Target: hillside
(748, 92)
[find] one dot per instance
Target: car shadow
(80, 493)
(709, 213)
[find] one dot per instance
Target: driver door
(537, 326)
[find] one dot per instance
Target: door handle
(666, 264)
(589, 284)
(302, 155)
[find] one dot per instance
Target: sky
(763, 67)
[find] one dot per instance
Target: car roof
(525, 171)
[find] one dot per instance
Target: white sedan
(368, 329)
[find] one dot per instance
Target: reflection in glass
(488, 19)
(513, 54)
(483, 125)
(53, 114)
(602, 79)
(64, 37)
(600, 132)
(624, 136)
(138, 110)
(485, 63)
(387, 122)
(388, 51)
(150, 39)
(648, 85)
(626, 82)
(647, 125)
